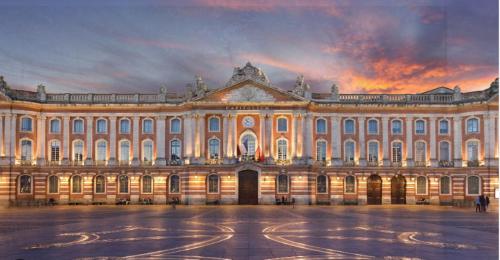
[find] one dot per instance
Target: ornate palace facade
(248, 142)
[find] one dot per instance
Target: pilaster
(112, 140)
(362, 142)
(433, 156)
(160, 141)
(90, 131)
(457, 141)
(386, 161)
(65, 159)
(409, 142)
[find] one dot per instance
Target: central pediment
(248, 93)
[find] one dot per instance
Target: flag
(242, 147)
(257, 154)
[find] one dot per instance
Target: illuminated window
(53, 184)
(147, 184)
(100, 183)
(213, 183)
(321, 184)
(282, 183)
(350, 184)
(25, 184)
(76, 184)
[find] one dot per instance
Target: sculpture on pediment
(3, 84)
(189, 92)
(248, 94)
(41, 93)
(200, 88)
(163, 93)
(334, 92)
(248, 72)
(301, 88)
(457, 93)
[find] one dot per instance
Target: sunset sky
(363, 46)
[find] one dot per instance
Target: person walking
(478, 204)
(482, 201)
(487, 202)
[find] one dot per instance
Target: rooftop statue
(248, 72)
(301, 88)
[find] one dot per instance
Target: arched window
(397, 148)
(25, 184)
(78, 126)
(397, 127)
(420, 152)
(78, 151)
(472, 150)
(101, 126)
(175, 126)
(349, 151)
(321, 182)
(100, 184)
(53, 184)
(350, 184)
(444, 127)
(147, 151)
(124, 151)
(124, 126)
(472, 125)
(444, 185)
(175, 150)
(55, 126)
(76, 184)
(282, 183)
(213, 124)
(282, 125)
(321, 126)
(282, 149)
(213, 148)
(26, 124)
(444, 151)
(123, 184)
(321, 150)
(101, 150)
(420, 127)
(213, 183)
(147, 126)
(174, 184)
(349, 126)
(372, 151)
(26, 150)
(421, 185)
(248, 141)
(55, 149)
(147, 184)
(473, 185)
(372, 126)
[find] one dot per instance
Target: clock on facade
(248, 122)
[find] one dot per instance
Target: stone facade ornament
(248, 72)
(301, 88)
(457, 93)
(41, 94)
(249, 93)
(200, 87)
(335, 92)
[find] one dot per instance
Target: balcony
(25, 162)
(214, 160)
(445, 163)
(396, 164)
(124, 163)
(174, 162)
(283, 162)
(373, 163)
(473, 163)
(147, 163)
(320, 162)
(100, 162)
(420, 164)
(349, 163)
(54, 163)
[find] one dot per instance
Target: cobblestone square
(248, 232)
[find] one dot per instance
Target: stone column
(308, 138)
(235, 135)
(40, 139)
(112, 140)
(2, 151)
(362, 142)
(262, 124)
(409, 142)
(13, 143)
(160, 141)
(457, 141)
(386, 161)
(299, 146)
(187, 147)
(8, 140)
(433, 155)
(65, 148)
(336, 141)
(90, 131)
(269, 138)
(225, 138)
(294, 137)
(199, 138)
(492, 141)
(135, 141)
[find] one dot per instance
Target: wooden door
(248, 189)
(374, 190)
(398, 190)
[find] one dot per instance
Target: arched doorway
(398, 190)
(248, 187)
(374, 190)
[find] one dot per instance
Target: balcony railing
(420, 164)
(446, 163)
(214, 161)
(473, 163)
(396, 164)
(349, 163)
(372, 163)
(283, 162)
(320, 163)
(174, 162)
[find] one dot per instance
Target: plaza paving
(248, 232)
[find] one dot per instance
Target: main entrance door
(398, 190)
(374, 190)
(248, 187)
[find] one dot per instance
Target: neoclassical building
(248, 142)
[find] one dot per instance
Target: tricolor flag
(243, 147)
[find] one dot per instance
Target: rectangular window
(78, 126)
(373, 152)
(124, 126)
(396, 152)
(420, 127)
(26, 124)
(54, 153)
(148, 126)
(443, 127)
